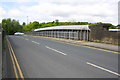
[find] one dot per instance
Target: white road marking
(91, 47)
(103, 69)
(35, 42)
(55, 50)
(27, 39)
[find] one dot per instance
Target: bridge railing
(67, 34)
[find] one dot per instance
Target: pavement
(102, 45)
(46, 58)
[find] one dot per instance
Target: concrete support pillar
(51, 33)
(55, 34)
(72, 34)
(87, 35)
(48, 33)
(58, 34)
(69, 34)
(78, 34)
(63, 34)
(84, 35)
(81, 35)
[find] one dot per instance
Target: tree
(23, 24)
(118, 25)
(57, 22)
(35, 24)
(112, 27)
(31, 25)
(11, 26)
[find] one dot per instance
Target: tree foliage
(11, 26)
(112, 27)
(32, 25)
(35, 24)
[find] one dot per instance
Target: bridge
(40, 57)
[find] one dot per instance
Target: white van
(18, 34)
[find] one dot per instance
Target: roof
(68, 27)
(114, 29)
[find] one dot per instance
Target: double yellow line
(16, 67)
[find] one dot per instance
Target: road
(45, 58)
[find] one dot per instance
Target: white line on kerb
(35, 42)
(103, 69)
(55, 50)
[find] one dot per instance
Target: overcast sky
(63, 10)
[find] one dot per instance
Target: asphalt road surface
(44, 58)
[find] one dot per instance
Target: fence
(0, 52)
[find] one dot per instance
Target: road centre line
(35, 42)
(56, 50)
(104, 69)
